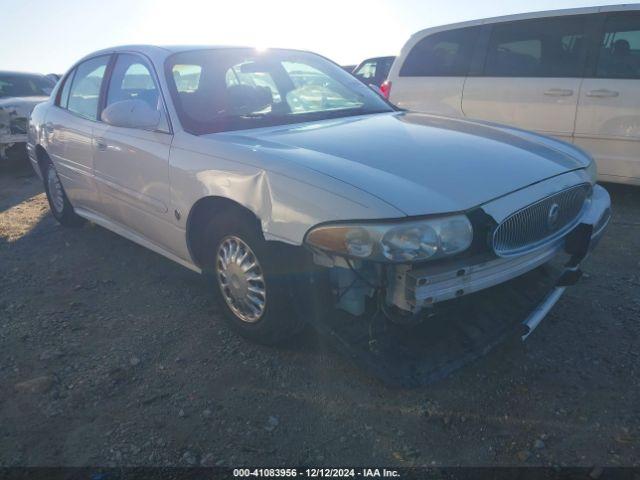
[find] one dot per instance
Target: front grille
(540, 222)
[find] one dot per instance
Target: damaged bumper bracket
(579, 243)
(462, 329)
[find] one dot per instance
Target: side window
(66, 88)
(445, 53)
(85, 88)
(620, 47)
(367, 71)
(550, 47)
(187, 77)
(132, 79)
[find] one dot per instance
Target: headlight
(396, 242)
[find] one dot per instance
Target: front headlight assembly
(398, 242)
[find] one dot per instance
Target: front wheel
(253, 283)
(58, 202)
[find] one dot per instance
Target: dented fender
(284, 196)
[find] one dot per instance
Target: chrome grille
(540, 222)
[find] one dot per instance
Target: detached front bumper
(579, 243)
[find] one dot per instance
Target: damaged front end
(14, 121)
(467, 287)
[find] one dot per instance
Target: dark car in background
(374, 71)
(19, 94)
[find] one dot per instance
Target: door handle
(559, 92)
(101, 144)
(603, 93)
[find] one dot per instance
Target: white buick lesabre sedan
(290, 181)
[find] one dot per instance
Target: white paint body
(567, 108)
(293, 177)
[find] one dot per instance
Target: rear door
(531, 75)
(608, 121)
(433, 71)
(69, 130)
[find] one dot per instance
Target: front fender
(287, 207)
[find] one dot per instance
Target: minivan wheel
(252, 286)
(58, 201)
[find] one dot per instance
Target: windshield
(219, 90)
(21, 85)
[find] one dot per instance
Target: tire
(275, 320)
(59, 204)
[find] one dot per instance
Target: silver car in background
(19, 93)
(302, 191)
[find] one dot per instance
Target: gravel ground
(113, 355)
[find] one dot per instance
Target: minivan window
(132, 79)
(549, 47)
(619, 55)
(85, 88)
(445, 53)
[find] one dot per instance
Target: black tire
(61, 208)
(278, 320)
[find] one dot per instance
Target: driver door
(131, 164)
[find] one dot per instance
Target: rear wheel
(58, 202)
(252, 283)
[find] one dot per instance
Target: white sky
(48, 36)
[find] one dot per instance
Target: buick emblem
(552, 217)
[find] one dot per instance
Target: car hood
(420, 164)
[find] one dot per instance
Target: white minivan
(572, 74)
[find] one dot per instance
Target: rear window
(24, 85)
(550, 47)
(446, 53)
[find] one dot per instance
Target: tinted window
(239, 88)
(85, 88)
(374, 70)
(446, 53)
(620, 48)
(550, 47)
(367, 70)
(24, 85)
(132, 79)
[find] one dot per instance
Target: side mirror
(131, 114)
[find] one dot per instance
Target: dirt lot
(113, 355)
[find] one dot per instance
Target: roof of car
(159, 50)
(162, 48)
(540, 14)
